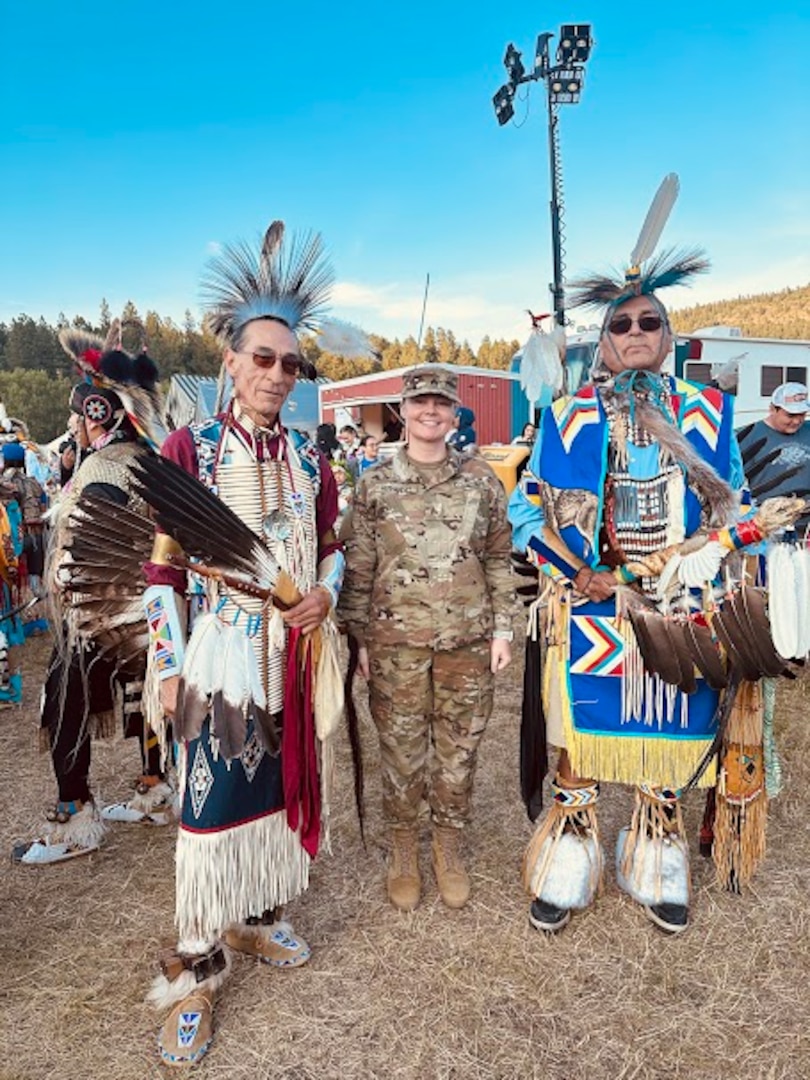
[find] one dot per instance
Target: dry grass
(435, 994)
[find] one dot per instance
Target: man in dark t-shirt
(785, 435)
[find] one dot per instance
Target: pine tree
(429, 353)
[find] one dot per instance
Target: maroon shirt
(180, 448)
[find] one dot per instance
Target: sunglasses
(622, 324)
(290, 363)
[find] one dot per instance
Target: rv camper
(750, 368)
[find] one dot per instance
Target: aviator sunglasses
(622, 324)
(290, 363)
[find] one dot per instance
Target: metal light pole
(564, 83)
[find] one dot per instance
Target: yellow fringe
(635, 760)
(623, 759)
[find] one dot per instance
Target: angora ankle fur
(159, 795)
(84, 829)
(659, 872)
(575, 871)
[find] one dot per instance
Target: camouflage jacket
(427, 554)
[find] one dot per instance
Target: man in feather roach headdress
(254, 504)
(623, 474)
(99, 659)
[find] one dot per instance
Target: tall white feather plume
(656, 219)
(728, 377)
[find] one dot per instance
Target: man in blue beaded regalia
(623, 471)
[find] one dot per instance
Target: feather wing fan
(201, 524)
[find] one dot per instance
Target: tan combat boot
(451, 877)
(404, 882)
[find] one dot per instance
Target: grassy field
(434, 994)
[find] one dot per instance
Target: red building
(372, 401)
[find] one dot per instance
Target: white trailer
(750, 368)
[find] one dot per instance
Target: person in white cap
(776, 450)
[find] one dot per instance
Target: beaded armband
(738, 536)
(330, 574)
(624, 576)
(165, 631)
(575, 798)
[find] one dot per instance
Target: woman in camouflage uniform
(429, 596)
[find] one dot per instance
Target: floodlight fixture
(575, 44)
(541, 55)
(564, 81)
(514, 65)
(565, 85)
(504, 110)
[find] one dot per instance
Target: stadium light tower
(564, 81)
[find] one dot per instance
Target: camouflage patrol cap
(430, 379)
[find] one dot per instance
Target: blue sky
(135, 138)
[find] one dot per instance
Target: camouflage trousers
(431, 709)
